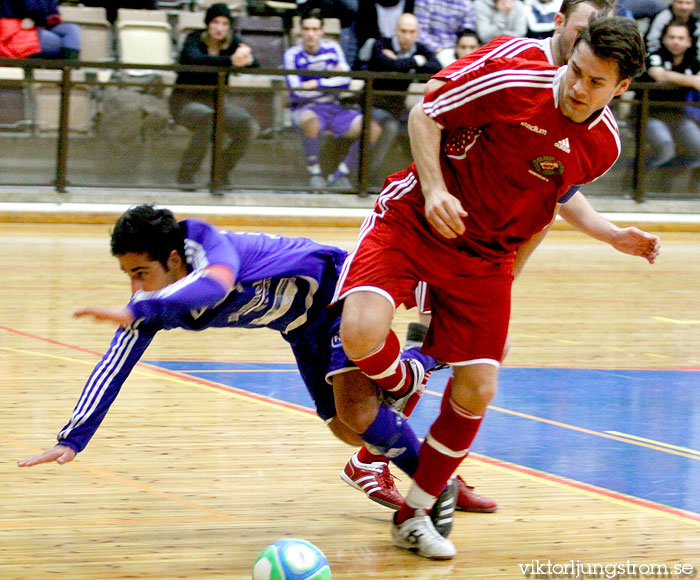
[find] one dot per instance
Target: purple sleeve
(167, 307)
(103, 386)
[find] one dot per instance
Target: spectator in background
(440, 20)
(315, 109)
(676, 63)
(378, 19)
(401, 53)
(467, 42)
(57, 39)
(404, 54)
(540, 17)
(500, 18)
(193, 108)
(681, 10)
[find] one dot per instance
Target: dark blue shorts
(319, 358)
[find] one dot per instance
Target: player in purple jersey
(314, 111)
(190, 275)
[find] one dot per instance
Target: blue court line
(552, 420)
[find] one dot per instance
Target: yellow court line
(590, 493)
(628, 436)
(277, 406)
(675, 321)
(608, 435)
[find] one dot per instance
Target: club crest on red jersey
(548, 166)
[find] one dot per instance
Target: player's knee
(359, 336)
(344, 432)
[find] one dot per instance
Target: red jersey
(508, 154)
(501, 47)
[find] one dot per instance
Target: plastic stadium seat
(96, 31)
(144, 37)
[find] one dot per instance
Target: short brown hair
(617, 39)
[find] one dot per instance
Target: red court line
(484, 459)
(589, 488)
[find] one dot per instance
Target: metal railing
(363, 96)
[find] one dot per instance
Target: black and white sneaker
(442, 513)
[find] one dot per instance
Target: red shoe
(375, 480)
(468, 501)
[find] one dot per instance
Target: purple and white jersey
(281, 283)
(329, 57)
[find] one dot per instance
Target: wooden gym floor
(592, 448)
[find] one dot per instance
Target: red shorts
(469, 296)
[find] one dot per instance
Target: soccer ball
(291, 559)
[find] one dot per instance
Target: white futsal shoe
(418, 535)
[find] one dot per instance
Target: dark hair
(311, 12)
(468, 32)
(144, 229)
(603, 7)
(617, 39)
(675, 22)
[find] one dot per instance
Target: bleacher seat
(266, 37)
(144, 37)
(47, 99)
(188, 22)
(96, 31)
(15, 108)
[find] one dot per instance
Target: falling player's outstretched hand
(59, 453)
(637, 242)
(121, 316)
(444, 212)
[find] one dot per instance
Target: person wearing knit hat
(219, 9)
(217, 45)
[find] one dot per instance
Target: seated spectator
(404, 54)
(440, 20)
(681, 10)
(400, 53)
(377, 19)
(540, 17)
(500, 18)
(467, 41)
(675, 62)
(346, 12)
(217, 45)
(57, 39)
(315, 110)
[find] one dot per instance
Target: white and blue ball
(291, 559)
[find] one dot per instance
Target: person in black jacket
(194, 108)
(402, 53)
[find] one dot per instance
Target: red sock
(364, 455)
(445, 447)
(385, 367)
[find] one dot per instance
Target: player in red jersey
(495, 151)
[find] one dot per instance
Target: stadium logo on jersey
(563, 145)
(548, 166)
(533, 128)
